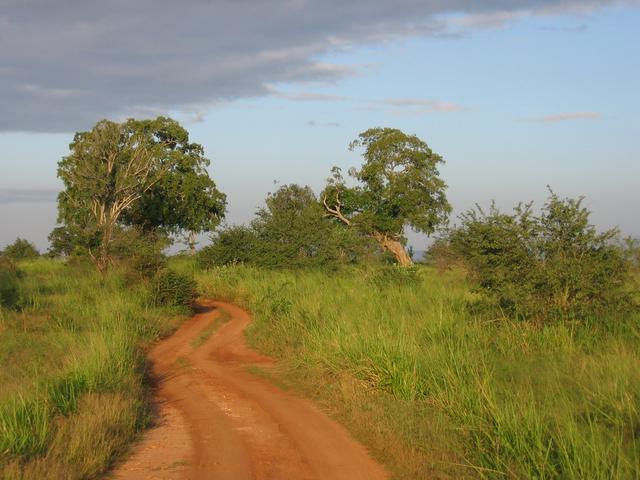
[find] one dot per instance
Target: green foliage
(107, 170)
(140, 251)
(235, 244)
(173, 289)
(441, 254)
(21, 249)
(552, 265)
(398, 186)
(71, 240)
(394, 275)
(143, 173)
(185, 197)
(73, 393)
(291, 231)
(9, 288)
(436, 392)
(631, 250)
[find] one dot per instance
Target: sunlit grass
(436, 391)
(73, 370)
(433, 390)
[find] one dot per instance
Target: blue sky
(512, 101)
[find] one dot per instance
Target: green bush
(140, 251)
(631, 249)
(21, 249)
(441, 254)
(171, 288)
(9, 292)
(231, 245)
(291, 231)
(543, 266)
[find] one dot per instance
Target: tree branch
(335, 212)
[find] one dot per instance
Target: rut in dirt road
(217, 421)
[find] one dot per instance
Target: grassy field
(73, 392)
(433, 390)
(437, 392)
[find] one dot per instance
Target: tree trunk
(104, 259)
(192, 242)
(395, 247)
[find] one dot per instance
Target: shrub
(73, 241)
(631, 249)
(231, 245)
(552, 265)
(141, 251)
(171, 288)
(9, 293)
(291, 231)
(441, 254)
(21, 249)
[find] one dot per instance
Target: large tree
(185, 199)
(397, 186)
(113, 168)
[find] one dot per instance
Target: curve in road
(218, 421)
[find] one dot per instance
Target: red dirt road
(217, 421)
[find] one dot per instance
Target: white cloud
(424, 106)
(565, 116)
(313, 123)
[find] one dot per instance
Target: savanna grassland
(434, 390)
(514, 353)
(74, 391)
(438, 392)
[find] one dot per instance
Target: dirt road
(218, 421)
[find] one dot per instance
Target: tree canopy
(397, 186)
(21, 249)
(185, 198)
(292, 231)
(140, 172)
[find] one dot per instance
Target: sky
(515, 96)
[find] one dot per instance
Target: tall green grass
(438, 392)
(72, 370)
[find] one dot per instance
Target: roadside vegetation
(74, 387)
(514, 352)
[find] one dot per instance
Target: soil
(218, 421)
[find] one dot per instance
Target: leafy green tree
(115, 168)
(397, 186)
(290, 231)
(293, 231)
(108, 169)
(185, 199)
(21, 249)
